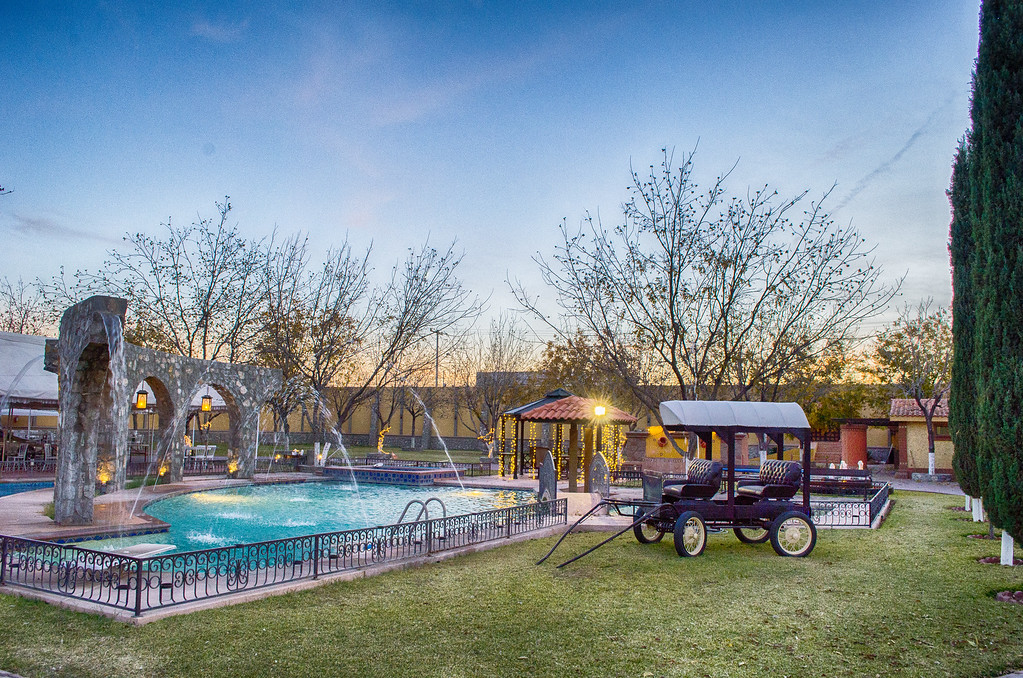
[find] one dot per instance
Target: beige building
(911, 438)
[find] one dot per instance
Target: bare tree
(197, 292)
(317, 319)
(710, 294)
(22, 308)
(352, 340)
(493, 371)
(914, 357)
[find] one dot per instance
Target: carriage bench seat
(702, 482)
(778, 480)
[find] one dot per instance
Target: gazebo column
(587, 458)
(573, 457)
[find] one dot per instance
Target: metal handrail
(424, 511)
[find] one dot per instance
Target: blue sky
(485, 121)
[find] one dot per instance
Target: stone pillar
(171, 445)
(854, 445)
(741, 449)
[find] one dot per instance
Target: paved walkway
(887, 476)
(21, 515)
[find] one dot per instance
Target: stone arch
(166, 410)
(94, 409)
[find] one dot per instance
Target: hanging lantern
(141, 400)
(207, 403)
(600, 410)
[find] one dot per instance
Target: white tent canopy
(692, 414)
(22, 354)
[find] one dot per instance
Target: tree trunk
(930, 444)
(978, 509)
(1007, 547)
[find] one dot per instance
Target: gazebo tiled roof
(576, 409)
(907, 407)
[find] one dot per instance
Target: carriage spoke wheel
(647, 534)
(751, 535)
(690, 534)
(793, 534)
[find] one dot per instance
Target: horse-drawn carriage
(772, 504)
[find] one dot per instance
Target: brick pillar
(854, 444)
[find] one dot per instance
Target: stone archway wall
(94, 411)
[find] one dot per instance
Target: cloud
(220, 32)
(863, 183)
(44, 227)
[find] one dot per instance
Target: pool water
(242, 515)
(16, 488)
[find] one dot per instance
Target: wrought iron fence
(465, 469)
(141, 584)
(839, 513)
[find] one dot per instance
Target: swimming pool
(242, 515)
(15, 488)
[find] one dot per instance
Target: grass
(907, 600)
(137, 482)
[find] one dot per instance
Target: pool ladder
(424, 509)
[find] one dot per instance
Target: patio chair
(778, 480)
(49, 456)
(702, 481)
(20, 458)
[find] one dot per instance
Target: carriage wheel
(751, 535)
(793, 534)
(690, 534)
(647, 533)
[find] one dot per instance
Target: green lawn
(909, 599)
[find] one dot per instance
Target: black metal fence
(465, 469)
(142, 584)
(850, 513)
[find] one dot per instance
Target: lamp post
(599, 411)
(206, 405)
(436, 358)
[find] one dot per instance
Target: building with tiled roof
(911, 438)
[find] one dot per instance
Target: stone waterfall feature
(96, 373)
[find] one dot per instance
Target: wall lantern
(141, 400)
(600, 410)
(207, 403)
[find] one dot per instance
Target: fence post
(138, 587)
(3, 561)
(507, 523)
(316, 556)
(429, 537)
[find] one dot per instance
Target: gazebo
(601, 428)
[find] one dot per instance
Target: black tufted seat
(702, 482)
(778, 480)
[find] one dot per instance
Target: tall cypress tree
(996, 175)
(962, 407)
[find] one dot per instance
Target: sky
(485, 122)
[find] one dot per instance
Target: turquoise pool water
(242, 515)
(16, 488)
